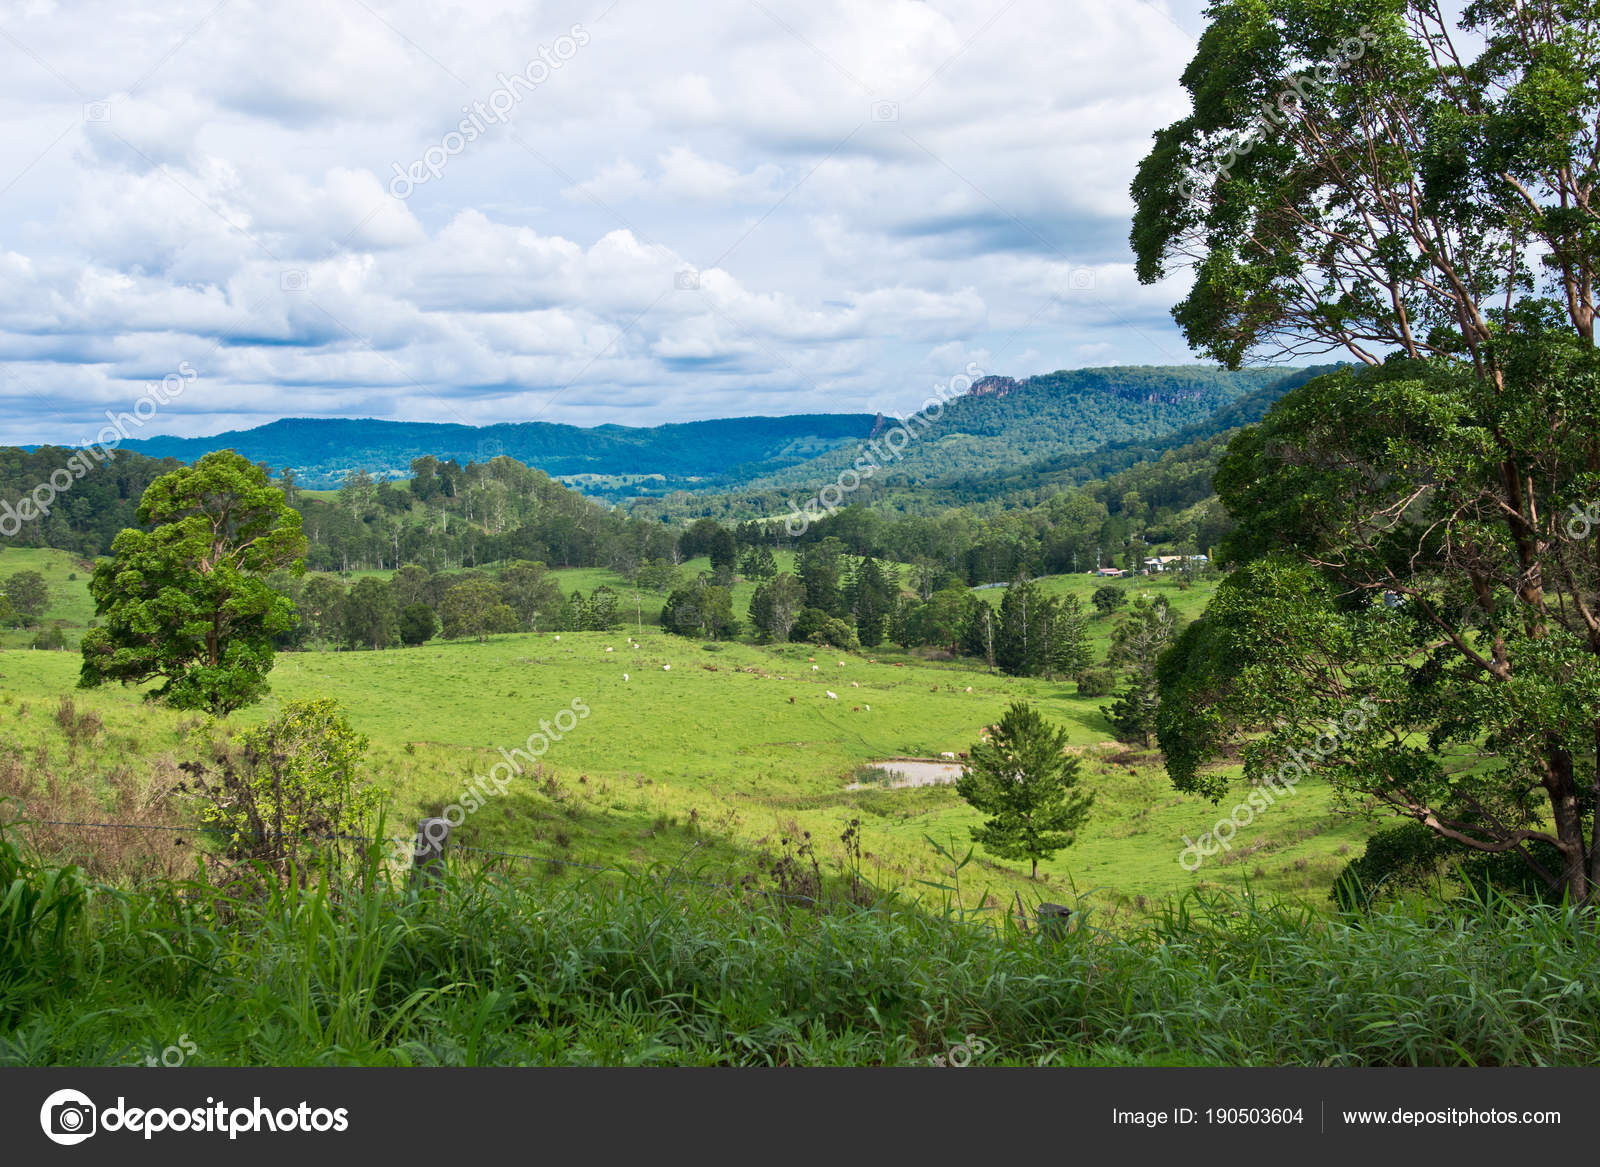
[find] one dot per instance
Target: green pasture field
(69, 598)
(709, 756)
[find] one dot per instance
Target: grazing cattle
(832, 696)
(624, 676)
(855, 684)
(666, 668)
(855, 709)
(948, 755)
(962, 756)
(868, 708)
(791, 700)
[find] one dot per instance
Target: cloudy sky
(583, 212)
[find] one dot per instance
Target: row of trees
(453, 517)
(415, 605)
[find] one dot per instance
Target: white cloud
(870, 197)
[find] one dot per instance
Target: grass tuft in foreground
(628, 971)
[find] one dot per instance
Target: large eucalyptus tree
(1417, 531)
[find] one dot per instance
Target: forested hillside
(994, 426)
(322, 451)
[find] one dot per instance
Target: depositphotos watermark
(866, 465)
(174, 1055)
(960, 1055)
(492, 110)
(36, 503)
(1583, 521)
(1296, 90)
(480, 788)
(68, 1117)
(1289, 775)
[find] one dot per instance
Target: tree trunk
(1568, 817)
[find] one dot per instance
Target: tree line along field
(711, 755)
(66, 576)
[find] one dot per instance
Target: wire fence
(409, 843)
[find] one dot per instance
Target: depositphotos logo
(69, 1116)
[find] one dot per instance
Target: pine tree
(872, 601)
(1068, 653)
(1027, 782)
(977, 636)
(1021, 644)
(1137, 643)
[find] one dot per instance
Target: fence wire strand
(410, 841)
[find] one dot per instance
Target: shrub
(1096, 682)
(1108, 599)
(292, 789)
(1399, 858)
(814, 626)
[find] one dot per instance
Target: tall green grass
(617, 971)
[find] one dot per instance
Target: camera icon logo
(68, 1117)
(1081, 279)
(97, 111)
(688, 280)
(293, 280)
(885, 111)
(489, 449)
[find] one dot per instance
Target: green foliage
(1069, 652)
(814, 626)
(1021, 635)
(1452, 475)
(1096, 682)
(979, 632)
(1137, 644)
(418, 624)
(295, 784)
(775, 607)
(1365, 484)
(53, 638)
(43, 922)
(475, 608)
(871, 594)
(532, 593)
(26, 596)
(656, 575)
(322, 608)
(700, 610)
(1398, 859)
(599, 612)
(187, 600)
(819, 568)
(370, 617)
(1108, 598)
(631, 972)
(758, 564)
(1027, 781)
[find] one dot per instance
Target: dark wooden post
(1053, 920)
(427, 855)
